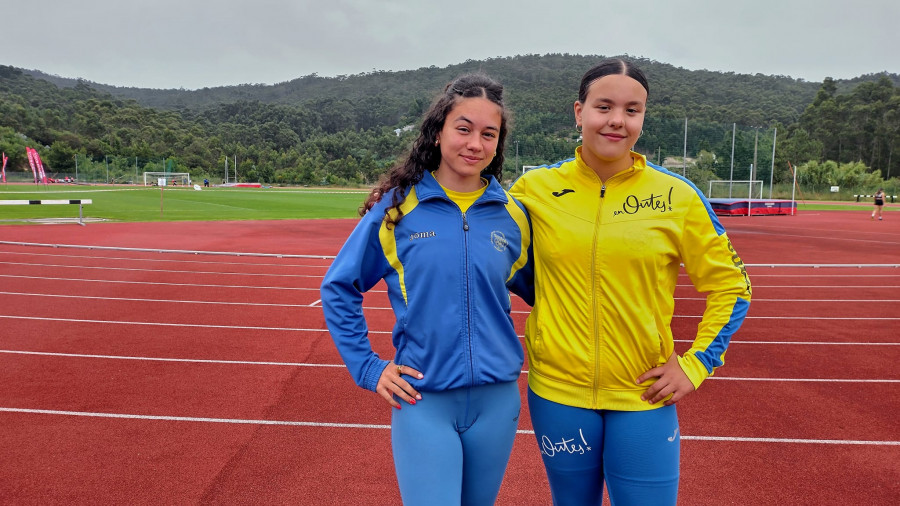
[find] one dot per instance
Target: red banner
(31, 162)
(3, 171)
(40, 166)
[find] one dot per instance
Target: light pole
(517, 158)
(755, 149)
(772, 173)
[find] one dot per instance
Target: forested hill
(344, 130)
(544, 85)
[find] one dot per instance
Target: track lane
(828, 474)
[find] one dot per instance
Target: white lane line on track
(173, 251)
(165, 359)
(807, 380)
(798, 317)
(164, 324)
(129, 299)
(164, 271)
(757, 299)
(49, 278)
(384, 427)
(795, 343)
(201, 285)
(168, 260)
(791, 440)
(341, 366)
(194, 419)
(839, 287)
(200, 325)
(816, 274)
(317, 302)
(830, 238)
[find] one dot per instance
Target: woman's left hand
(670, 379)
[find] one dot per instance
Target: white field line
(386, 427)
(48, 278)
(316, 303)
(163, 271)
(817, 275)
(86, 280)
(319, 276)
(838, 287)
(801, 317)
(169, 324)
(238, 327)
(341, 366)
(167, 359)
(757, 299)
(832, 237)
(821, 274)
(160, 250)
(325, 266)
(803, 343)
(130, 299)
(279, 255)
(164, 324)
(805, 380)
(162, 260)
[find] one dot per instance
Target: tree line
(349, 129)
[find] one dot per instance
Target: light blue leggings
(452, 447)
(635, 452)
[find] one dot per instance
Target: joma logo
(421, 235)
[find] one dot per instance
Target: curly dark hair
(425, 155)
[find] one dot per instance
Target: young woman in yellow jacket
(610, 232)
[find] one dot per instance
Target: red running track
(141, 377)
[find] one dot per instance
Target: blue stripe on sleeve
(712, 356)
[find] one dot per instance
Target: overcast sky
(205, 43)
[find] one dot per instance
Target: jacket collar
(640, 163)
(429, 188)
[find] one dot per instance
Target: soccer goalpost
(167, 179)
(735, 189)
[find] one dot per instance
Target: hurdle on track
(892, 197)
(80, 203)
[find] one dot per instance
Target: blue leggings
(452, 447)
(635, 452)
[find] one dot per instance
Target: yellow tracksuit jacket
(606, 262)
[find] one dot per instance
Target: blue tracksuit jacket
(448, 276)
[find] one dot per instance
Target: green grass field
(129, 203)
(134, 204)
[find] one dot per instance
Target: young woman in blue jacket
(449, 243)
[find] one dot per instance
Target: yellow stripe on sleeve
(388, 239)
(522, 221)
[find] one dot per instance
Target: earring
(577, 127)
(437, 142)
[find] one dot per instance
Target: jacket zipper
(596, 296)
(468, 299)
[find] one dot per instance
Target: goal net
(731, 189)
(167, 179)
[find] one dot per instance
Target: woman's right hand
(391, 383)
